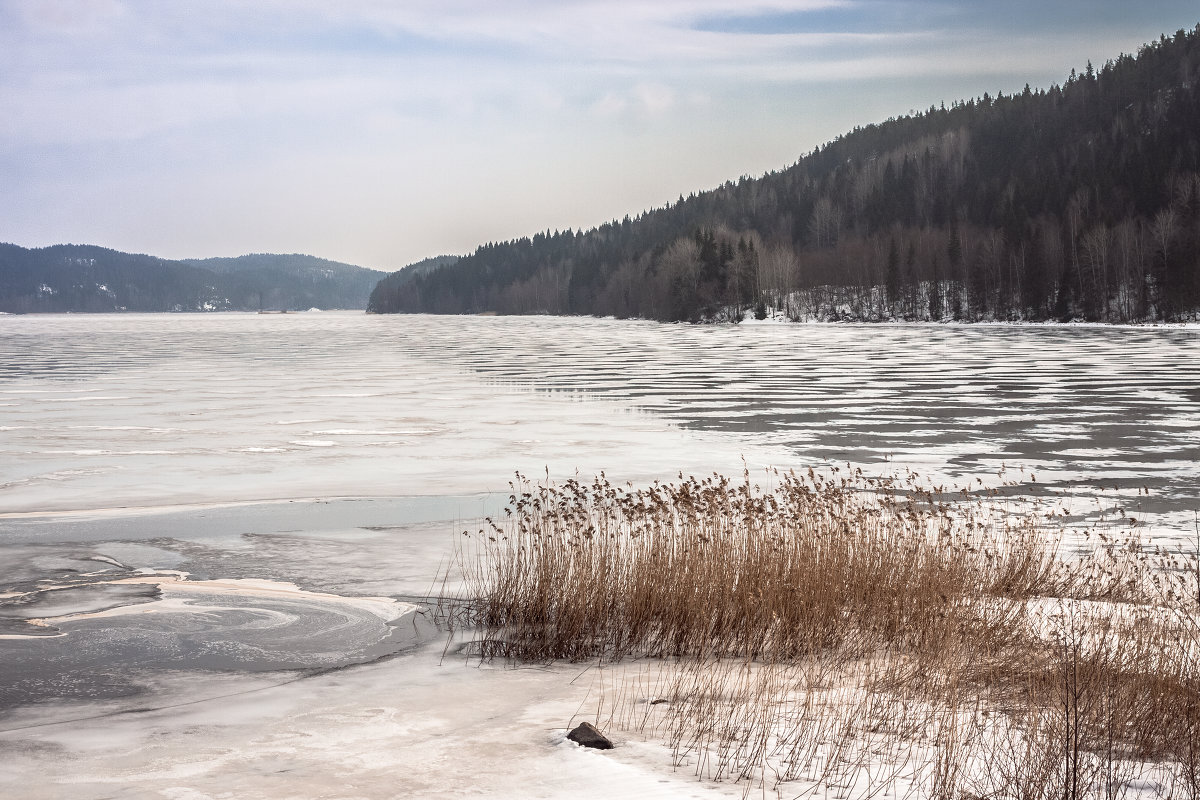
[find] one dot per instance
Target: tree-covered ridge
(291, 264)
(1081, 201)
(296, 280)
(95, 279)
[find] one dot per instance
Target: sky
(380, 133)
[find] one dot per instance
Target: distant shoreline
(749, 320)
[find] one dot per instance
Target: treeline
(1081, 201)
(86, 278)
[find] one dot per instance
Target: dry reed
(859, 634)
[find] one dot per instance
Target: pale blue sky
(382, 132)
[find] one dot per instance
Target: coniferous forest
(1077, 202)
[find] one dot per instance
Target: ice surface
(414, 726)
(296, 466)
(266, 412)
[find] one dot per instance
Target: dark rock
(587, 735)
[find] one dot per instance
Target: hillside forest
(1076, 202)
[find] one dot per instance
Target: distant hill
(293, 264)
(1081, 201)
(96, 279)
(297, 281)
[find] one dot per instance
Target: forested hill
(87, 278)
(1081, 201)
(292, 281)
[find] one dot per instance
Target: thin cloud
(404, 125)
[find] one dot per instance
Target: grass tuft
(865, 635)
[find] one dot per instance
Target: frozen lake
(307, 474)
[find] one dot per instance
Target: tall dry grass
(859, 634)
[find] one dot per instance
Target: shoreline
(774, 317)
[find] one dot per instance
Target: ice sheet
(297, 466)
